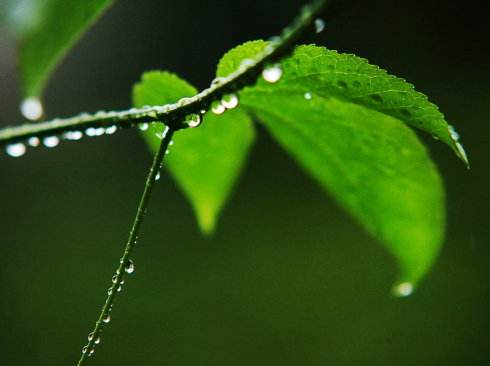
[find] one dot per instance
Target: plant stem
(121, 270)
(174, 114)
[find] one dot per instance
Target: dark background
(288, 278)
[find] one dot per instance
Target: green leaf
(45, 30)
(205, 161)
(324, 112)
(313, 69)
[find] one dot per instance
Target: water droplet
(91, 352)
(230, 101)
(114, 278)
(193, 120)
(33, 141)
(109, 291)
(51, 141)
(319, 25)
(16, 150)
(84, 349)
(129, 267)
(217, 107)
(110, 130)
(119, 289)
(454, 134)
(143, 126)
(272, 74)
(32, 108)
(97, 341)
(73, 135)
(403, 289)
(308, 96)
(157, 177)
(107, 318)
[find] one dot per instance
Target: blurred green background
(288, 278)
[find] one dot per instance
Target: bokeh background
(288, 278)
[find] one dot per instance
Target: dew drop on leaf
(230, 101)
(143, 126)
(16, 150)
(272, 74)
(308, 96)
(403, 289)
(107, 318)
(32, 108)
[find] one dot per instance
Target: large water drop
(32, 108)
(272, 74)
(16, 150)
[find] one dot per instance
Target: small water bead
(51, 141)
(91, 352)
(319, 25)
(143, 126)
(193, 120)
(84, 349)
(230, 101)
(157, 177)
(110, 130)
(91, 336)
(119, 289)
(93, 131)
(115, 278)
(403, 289)
(16, 150)
(217, 107)
(33, 141)
(109, 291)
(107, 318)
(272, 74)
(454, 134)
(73, 135)
(32, 108)
(308, 96)
(129, 267)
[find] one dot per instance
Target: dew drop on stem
(230, 101)
(33, 141)
(51, 141)
(129, 267)
(193, 120)
(107, 318)
(16, 150)
(217, 107)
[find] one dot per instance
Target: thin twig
(174, 114)
(125, 264)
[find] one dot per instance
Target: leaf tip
(206, 219)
